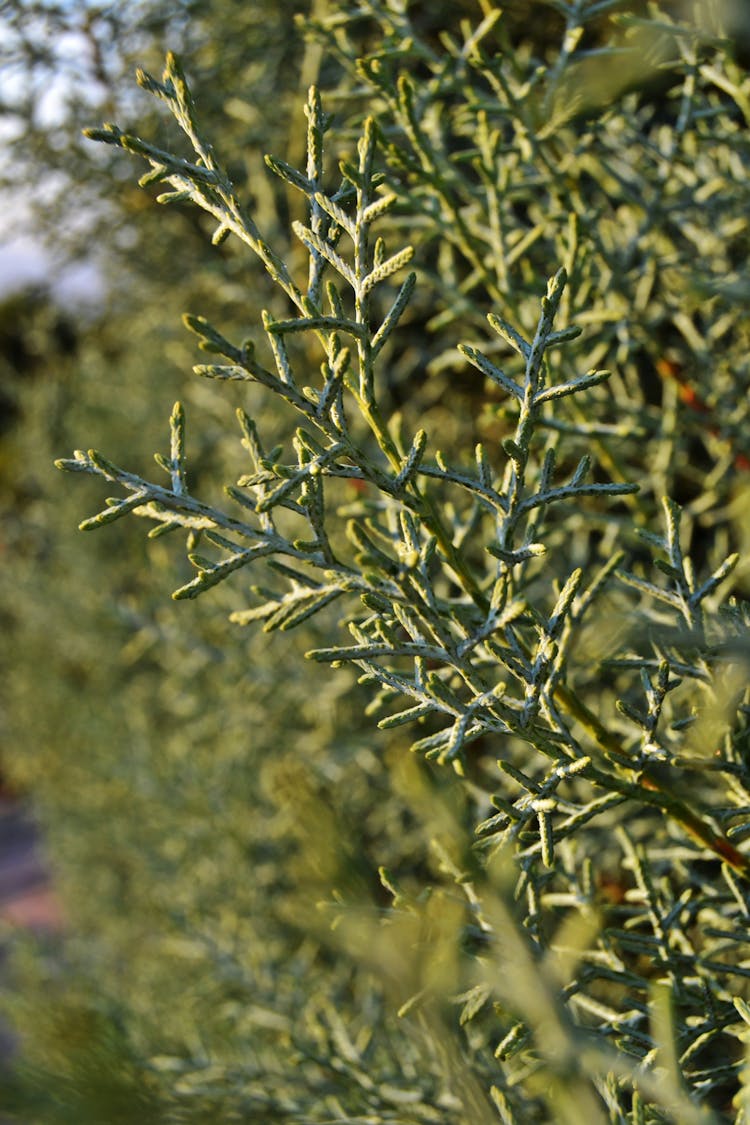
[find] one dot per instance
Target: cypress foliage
(489, 462)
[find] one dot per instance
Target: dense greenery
(516, 476)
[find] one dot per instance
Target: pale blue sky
(23, 258)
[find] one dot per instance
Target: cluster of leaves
(624, 157)
(531, 604)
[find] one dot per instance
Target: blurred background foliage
(196, 806)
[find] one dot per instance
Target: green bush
(506, 491)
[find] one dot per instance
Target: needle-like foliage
(538, 605)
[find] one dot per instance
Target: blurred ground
(26, 895)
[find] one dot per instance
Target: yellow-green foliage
(507, 493)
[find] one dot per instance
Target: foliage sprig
(470, 605)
